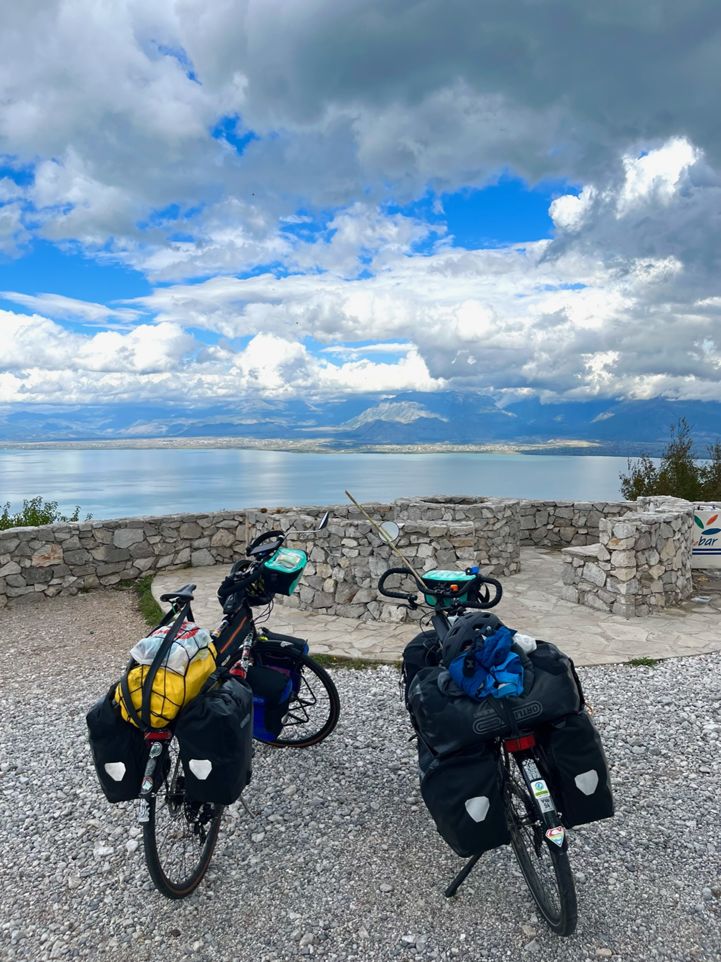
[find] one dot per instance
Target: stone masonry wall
(641, 564)
(496, 527)
(563, 523)
(75, 557)
(43, 561)
(347, 558)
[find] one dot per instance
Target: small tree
(711, 474)
(678, 474)
(34, 512)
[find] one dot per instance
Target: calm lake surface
(129, 482)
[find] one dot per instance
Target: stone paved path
(530, 603)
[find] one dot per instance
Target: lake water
(129, 482)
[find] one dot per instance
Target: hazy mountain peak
(403, 412)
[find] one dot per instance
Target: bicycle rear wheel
(180, 834)
(313, 711)
(545, 867)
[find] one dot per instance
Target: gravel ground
(342, 861)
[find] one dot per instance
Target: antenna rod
(385, 538)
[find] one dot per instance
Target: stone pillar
(641, 564)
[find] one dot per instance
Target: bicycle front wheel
(313, 710)
(180, 834)
(545, 867)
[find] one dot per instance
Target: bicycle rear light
(162, 735)
(520, 744)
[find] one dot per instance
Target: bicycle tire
(300, 704)
(199, 825)
(530, 847)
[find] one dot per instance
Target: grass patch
(335, 661)
(147, 605)
(643, 662)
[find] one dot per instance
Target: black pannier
(464, 795)
(578, 770)
(215, 733)
(282, 653)
(272, 692)
(449, 721)
(423, 651)
(119, 750)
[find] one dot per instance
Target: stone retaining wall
(558, 524)
(43, 561)
(75, 557)
(641, 564)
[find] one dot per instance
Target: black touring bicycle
(521, 770)
(184, 756)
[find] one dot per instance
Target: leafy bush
(34, 512)
(678, 474)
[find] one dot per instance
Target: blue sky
(256, 208)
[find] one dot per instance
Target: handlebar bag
(282, 571)
(118, 748)
(272, 692)
(578, 769)
(449, 721)
(214, 733)
(464, 795)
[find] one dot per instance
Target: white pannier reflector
(587, 782)
(200, 767)
(478, 807)
(116, 770)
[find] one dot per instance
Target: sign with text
(706, 549)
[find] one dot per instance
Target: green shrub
(679, 474)
(34, 512)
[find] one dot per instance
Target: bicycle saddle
(182, 594)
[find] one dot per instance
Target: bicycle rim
(180, 834)
(313, 712)
(545, 867)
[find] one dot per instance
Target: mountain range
(412, 418)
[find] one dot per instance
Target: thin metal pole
(385, 538)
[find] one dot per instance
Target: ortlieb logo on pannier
(487, 720)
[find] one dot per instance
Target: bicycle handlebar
(403, 595)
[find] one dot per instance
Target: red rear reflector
(159, 736)
(519, 744)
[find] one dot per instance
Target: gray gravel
(342, 860)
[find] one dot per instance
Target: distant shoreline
(322, 446)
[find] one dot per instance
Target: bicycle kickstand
(461, 877)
